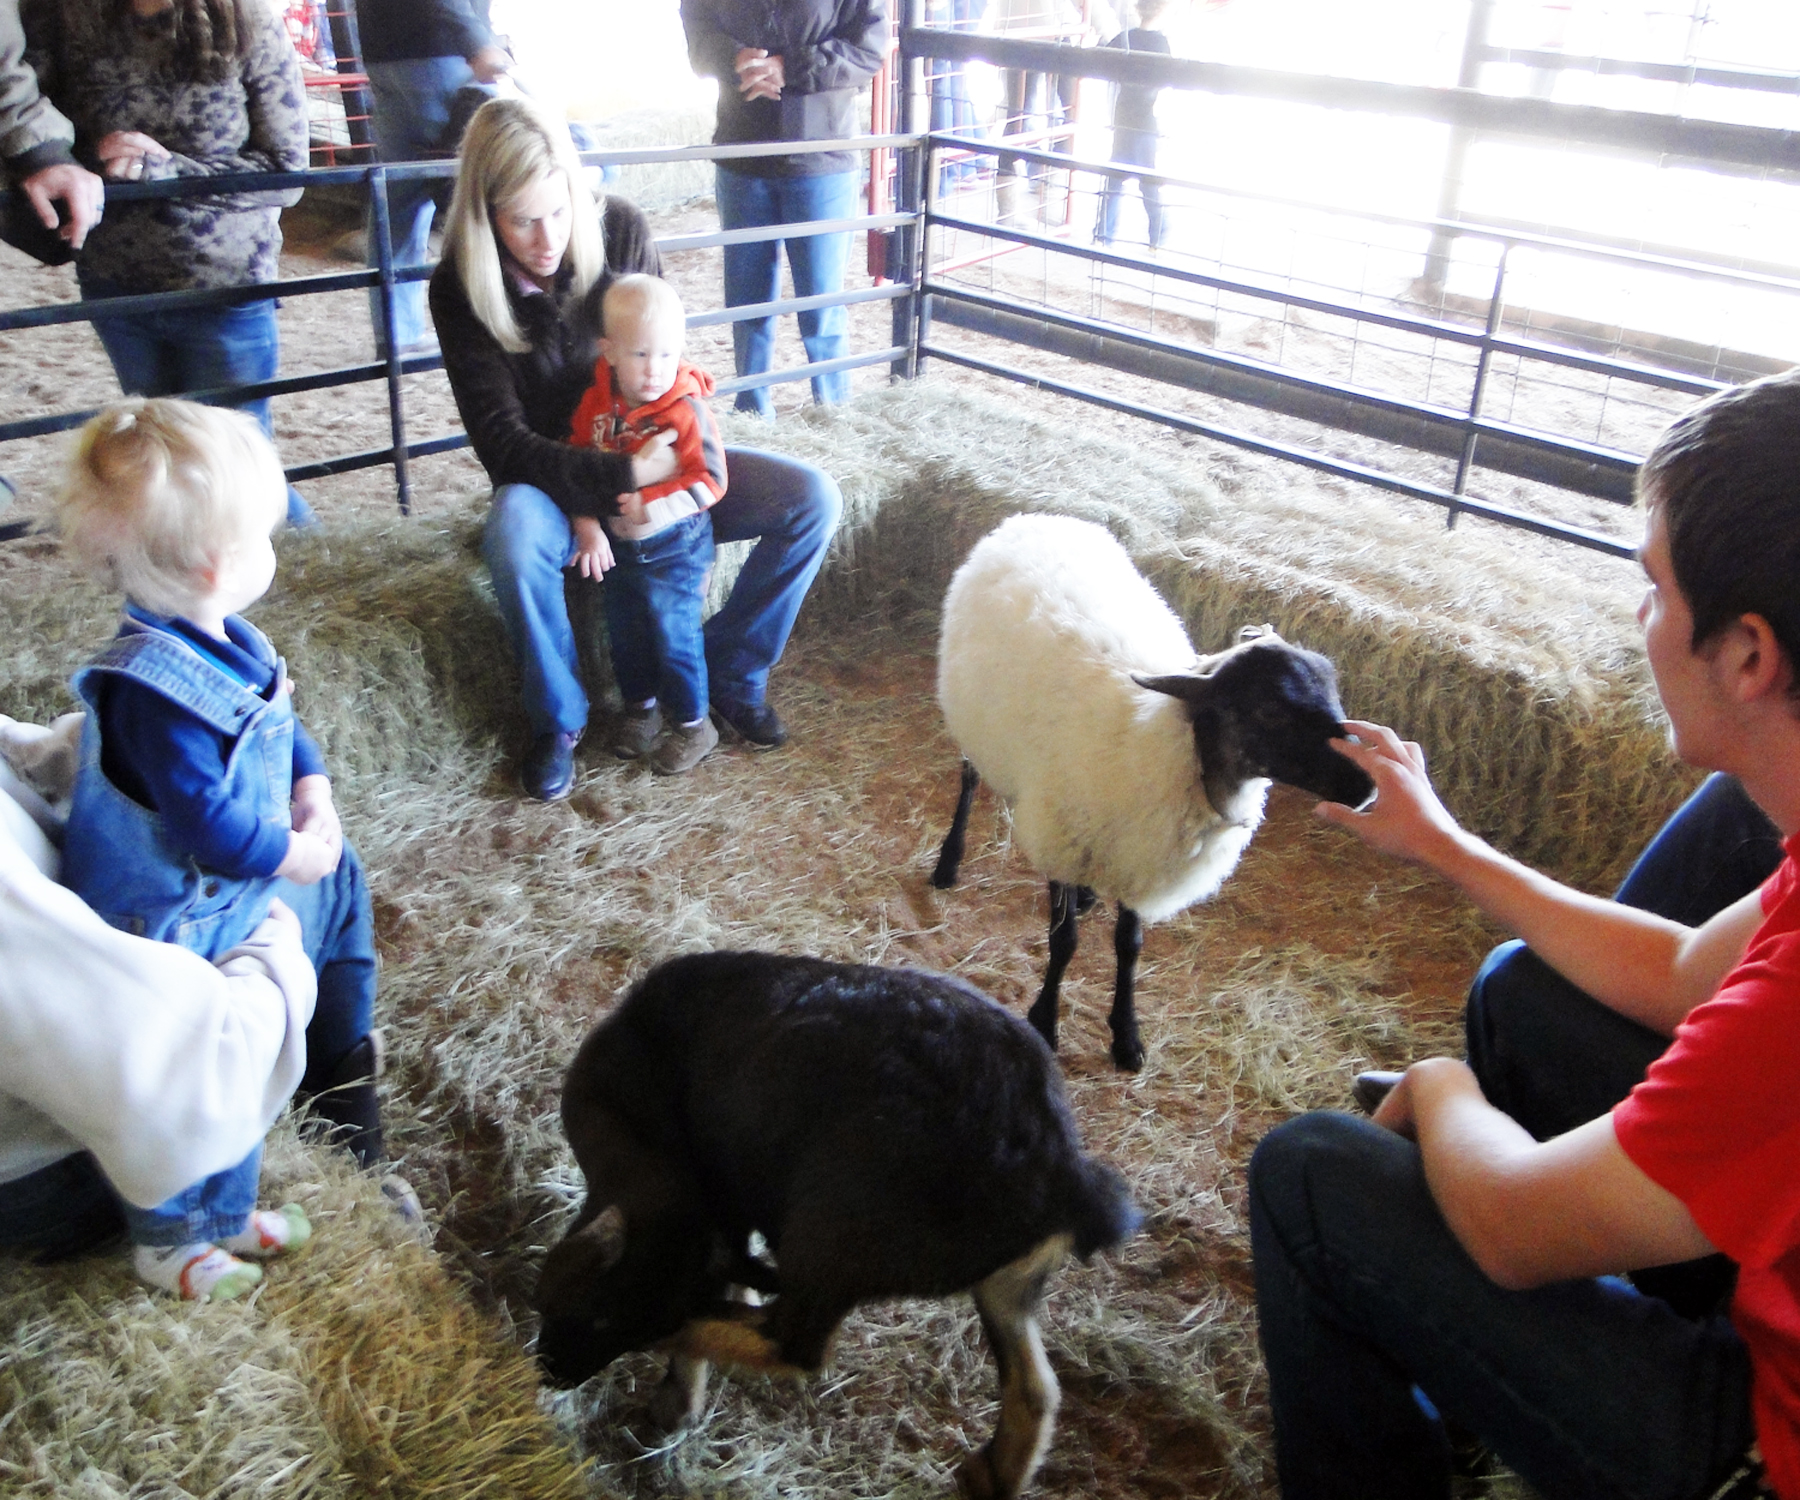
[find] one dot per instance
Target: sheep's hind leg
(1065, 903)
(950, 856)
(1128, 940)
(1008, 1302)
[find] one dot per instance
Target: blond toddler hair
(158, 491)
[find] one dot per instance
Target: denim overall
(116, 854)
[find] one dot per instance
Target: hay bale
(356, 1369)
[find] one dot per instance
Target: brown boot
(684, 747)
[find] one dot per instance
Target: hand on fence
(126, 155)
(80, 192)
(489, 63)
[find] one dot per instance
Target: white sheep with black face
(1134, 768)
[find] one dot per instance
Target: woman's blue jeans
(1587, 1388)
(195, 349)
(788, 508)
(816, 262)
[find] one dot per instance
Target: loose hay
(506, 927)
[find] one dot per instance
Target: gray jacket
(829, 49)
(32, 134)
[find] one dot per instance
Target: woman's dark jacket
(516, 407)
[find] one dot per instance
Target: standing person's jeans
(410, 107)
(654, 597)
(789, 508)
(195, 349)
(816, 262)
(1587, 1387)
(1136, 148)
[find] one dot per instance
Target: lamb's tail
(1103, 1213)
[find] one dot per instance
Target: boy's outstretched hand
(1406, 819)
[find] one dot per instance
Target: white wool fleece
(1043, 625)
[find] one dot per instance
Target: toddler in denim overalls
(199, 798)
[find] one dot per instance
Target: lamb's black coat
(890, 1132)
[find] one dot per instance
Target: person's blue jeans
(69, 1208)
(60, 1211)
(1138, 149)
(409, 105)
(213, 1208)
(1585, 1387)
(816, 262)
(789, 508)
(654, 598)
(337, 925)
(195, 349)
(1554, 1058)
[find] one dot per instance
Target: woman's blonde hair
(159, 491)
(509, 147)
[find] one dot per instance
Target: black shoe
(756, 724)
(1369, 1089)
(549, 769)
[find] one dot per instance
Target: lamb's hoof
(1128, 1056)
(975, 1477)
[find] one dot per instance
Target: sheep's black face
(1268, 708)
(601, 1297)
(1284, 701)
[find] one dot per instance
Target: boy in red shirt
(1454, 1261)
(660, 549)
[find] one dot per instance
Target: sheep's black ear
(1188, 688)
(590, 1252)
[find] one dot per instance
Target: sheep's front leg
(1128, 941)
(1008, 1302)
(950, 856)
(681, 1397)
(1064, 902)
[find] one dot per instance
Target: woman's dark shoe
(549, 768)
(756, 724)
(1370, 1089)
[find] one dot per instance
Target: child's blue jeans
(213, 1208)
(653, 599)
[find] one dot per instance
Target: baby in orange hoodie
(659, 548)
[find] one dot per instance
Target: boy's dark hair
(1727, 478)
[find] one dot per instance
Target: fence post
(1456, 155)
(908, 239)
(384, 259)
(1483, 362)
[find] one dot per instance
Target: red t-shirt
(1716, 1122)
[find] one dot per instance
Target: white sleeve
(166, 1068)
